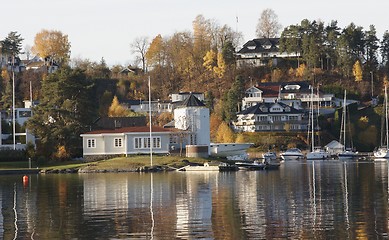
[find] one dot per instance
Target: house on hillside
(295, 94)
(258, 52)
(271, 117)
(6, 130)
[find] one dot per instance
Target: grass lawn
(120, 163)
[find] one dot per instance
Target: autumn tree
(225, 134)
(116, 110)
(357, 71)
(268, 25)
(52, 45)
(155, 52)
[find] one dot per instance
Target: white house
(271, 117)
(258, 52)
(191, 128)
(21, 138)
(102, 144)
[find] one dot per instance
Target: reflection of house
(259, 52)
(270, 117)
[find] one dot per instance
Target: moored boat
(292, 154)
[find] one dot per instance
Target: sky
(106, 28)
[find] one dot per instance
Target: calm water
(320, 200)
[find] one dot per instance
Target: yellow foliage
(209, 60)
(291, 72)
(117, 110)
(240, 138)
(214, 122)
(53, 44)
(62, 153)
(386, 80)
(225, 134)
(357, 71)
(221, 66)
(4, 74)
(300, 71)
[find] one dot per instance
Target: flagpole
(13, 102)
(151, 139)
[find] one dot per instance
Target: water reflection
(301, 200)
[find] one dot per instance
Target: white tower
(193, 116)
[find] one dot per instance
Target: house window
(144, 143)
(156, 142)
(91, 143)
(118, 142)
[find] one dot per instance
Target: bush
(10, 155)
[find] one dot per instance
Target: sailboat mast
(386, 116)
(151, 139)
(312, 122)
(344, 120)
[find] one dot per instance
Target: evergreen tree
(65, 111)
(385, 50)
(371, 47)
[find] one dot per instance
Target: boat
(269, 156)
(250, 165)
(382, 152)
(205, 167)
(317, 153)
(228, 149)
(292, 154)
(347, 153)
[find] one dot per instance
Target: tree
(116, 110)
(53, 46)
(385, 49)
(357, 71)
(11, 45)
(268, 25)
(225, 134)
(64, 112)
(371, 47)
(154, 54)
(139, 47)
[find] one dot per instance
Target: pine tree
(65, 111)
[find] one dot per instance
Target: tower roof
(192, 101)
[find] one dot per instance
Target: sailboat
(317, 153)
(383, 151)
(347, 153)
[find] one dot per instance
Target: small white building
(103, 144)
(334, 147)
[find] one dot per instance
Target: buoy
(25, 179)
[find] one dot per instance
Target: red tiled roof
(269, 91)
(134, 130)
